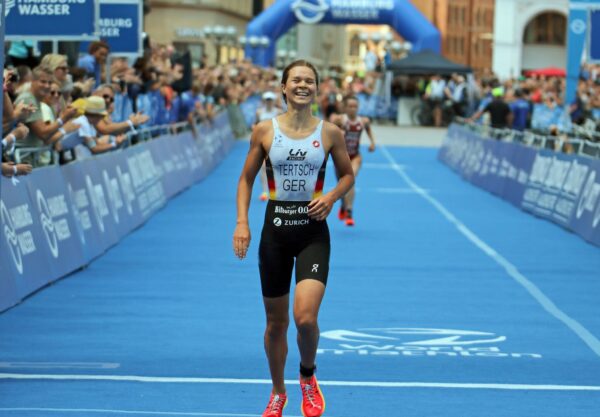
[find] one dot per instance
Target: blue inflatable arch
(283, 15)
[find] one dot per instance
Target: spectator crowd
(57, 113)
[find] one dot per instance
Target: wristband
(60, 122)
(131, 125)
(62, 131)
(10, 150)
(14, 170)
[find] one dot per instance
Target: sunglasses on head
(108, 98)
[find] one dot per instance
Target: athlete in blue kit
(295, 147)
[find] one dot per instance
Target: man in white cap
(267, 111)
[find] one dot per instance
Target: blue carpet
(410, 300)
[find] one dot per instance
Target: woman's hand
(319, 208)
(241, 240)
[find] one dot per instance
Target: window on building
(355, 45)
(546, 28)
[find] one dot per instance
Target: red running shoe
(341, 214)
(349, 221)
(276, 405)
(313, 402)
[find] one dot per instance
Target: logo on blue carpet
(415, 342)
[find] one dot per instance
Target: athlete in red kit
(352, 125)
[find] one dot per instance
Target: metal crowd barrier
(138, 136)
(561, 143)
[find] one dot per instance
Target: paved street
(427, 137)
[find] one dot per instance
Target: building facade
(529, 34)
(466, 27)
(182, 23)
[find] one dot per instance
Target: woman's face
(53, 95)
(61, 71)
(301, 86)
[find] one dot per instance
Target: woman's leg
(277, 311)
(349, 197)
(307, 301)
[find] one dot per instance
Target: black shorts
(289, 233)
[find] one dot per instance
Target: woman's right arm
(254, 160)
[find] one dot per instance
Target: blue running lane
(442, 300)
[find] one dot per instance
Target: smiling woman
(295, 147)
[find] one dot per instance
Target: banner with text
(51, 19)
(562, 188)
(594, 49)
(121, 26)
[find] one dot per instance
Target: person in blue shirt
(93, 62)
(520, 110)
(194, 105)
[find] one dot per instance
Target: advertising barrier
(59, 218)
(562, 188)
(249, 107)
(594, 38)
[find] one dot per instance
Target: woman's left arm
(320, 207)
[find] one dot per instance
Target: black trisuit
(295, 173)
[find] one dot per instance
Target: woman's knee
(305, 322)
(277, 325)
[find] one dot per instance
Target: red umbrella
(547, 72)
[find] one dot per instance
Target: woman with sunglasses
(295, 147)
(60, 71)
(51, 106)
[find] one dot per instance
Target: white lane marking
(134, 412)
(512, 270)
(396, 190)
(384, 190)
(374, 165)
(60, 365)
(249, 381)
